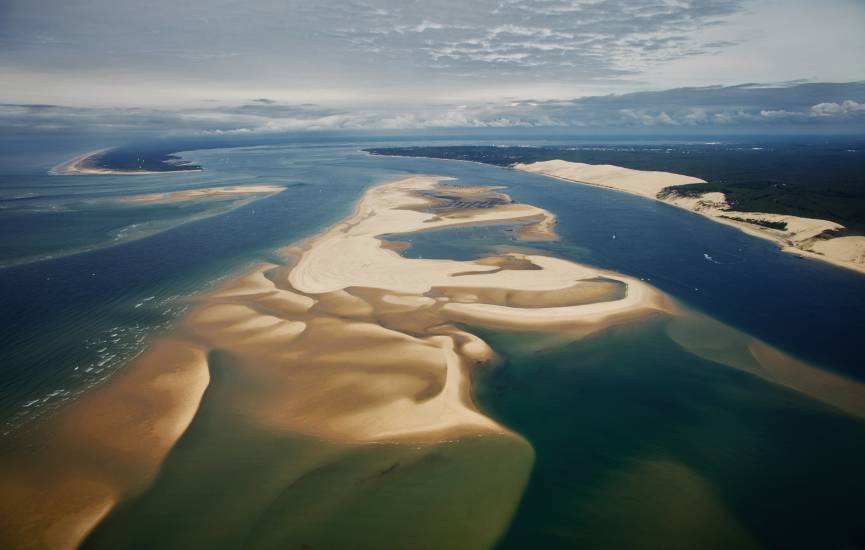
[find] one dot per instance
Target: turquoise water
(637, 442)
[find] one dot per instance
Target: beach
(811, 238)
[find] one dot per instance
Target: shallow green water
(229, 484)
(641, 444)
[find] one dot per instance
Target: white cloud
(843, 109)
(747, 108)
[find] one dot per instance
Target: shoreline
(713, 206)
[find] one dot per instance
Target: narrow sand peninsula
(82, 165)
(807, 237)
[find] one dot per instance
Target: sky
(223, 66)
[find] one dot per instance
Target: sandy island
(204, 193)
(348, 342)
(80, 166)
(807, 237)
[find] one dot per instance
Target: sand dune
(807, 237)
(638, 182)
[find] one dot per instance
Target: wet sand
(99, 450)
(710, 339)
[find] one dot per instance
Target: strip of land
(87, 164)
(812, 238)
(204, 193)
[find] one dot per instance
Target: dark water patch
(640, 444)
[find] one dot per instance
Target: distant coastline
(124, 161)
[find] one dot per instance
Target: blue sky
(200, 65)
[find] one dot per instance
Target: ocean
(636, 442)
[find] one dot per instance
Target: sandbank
(207, 192)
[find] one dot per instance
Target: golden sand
(722, 344)
(100, 449)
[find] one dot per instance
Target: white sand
(350, 256)
(356, 343)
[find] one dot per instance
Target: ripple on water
(100, 356)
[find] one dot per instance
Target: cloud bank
(746, 108)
